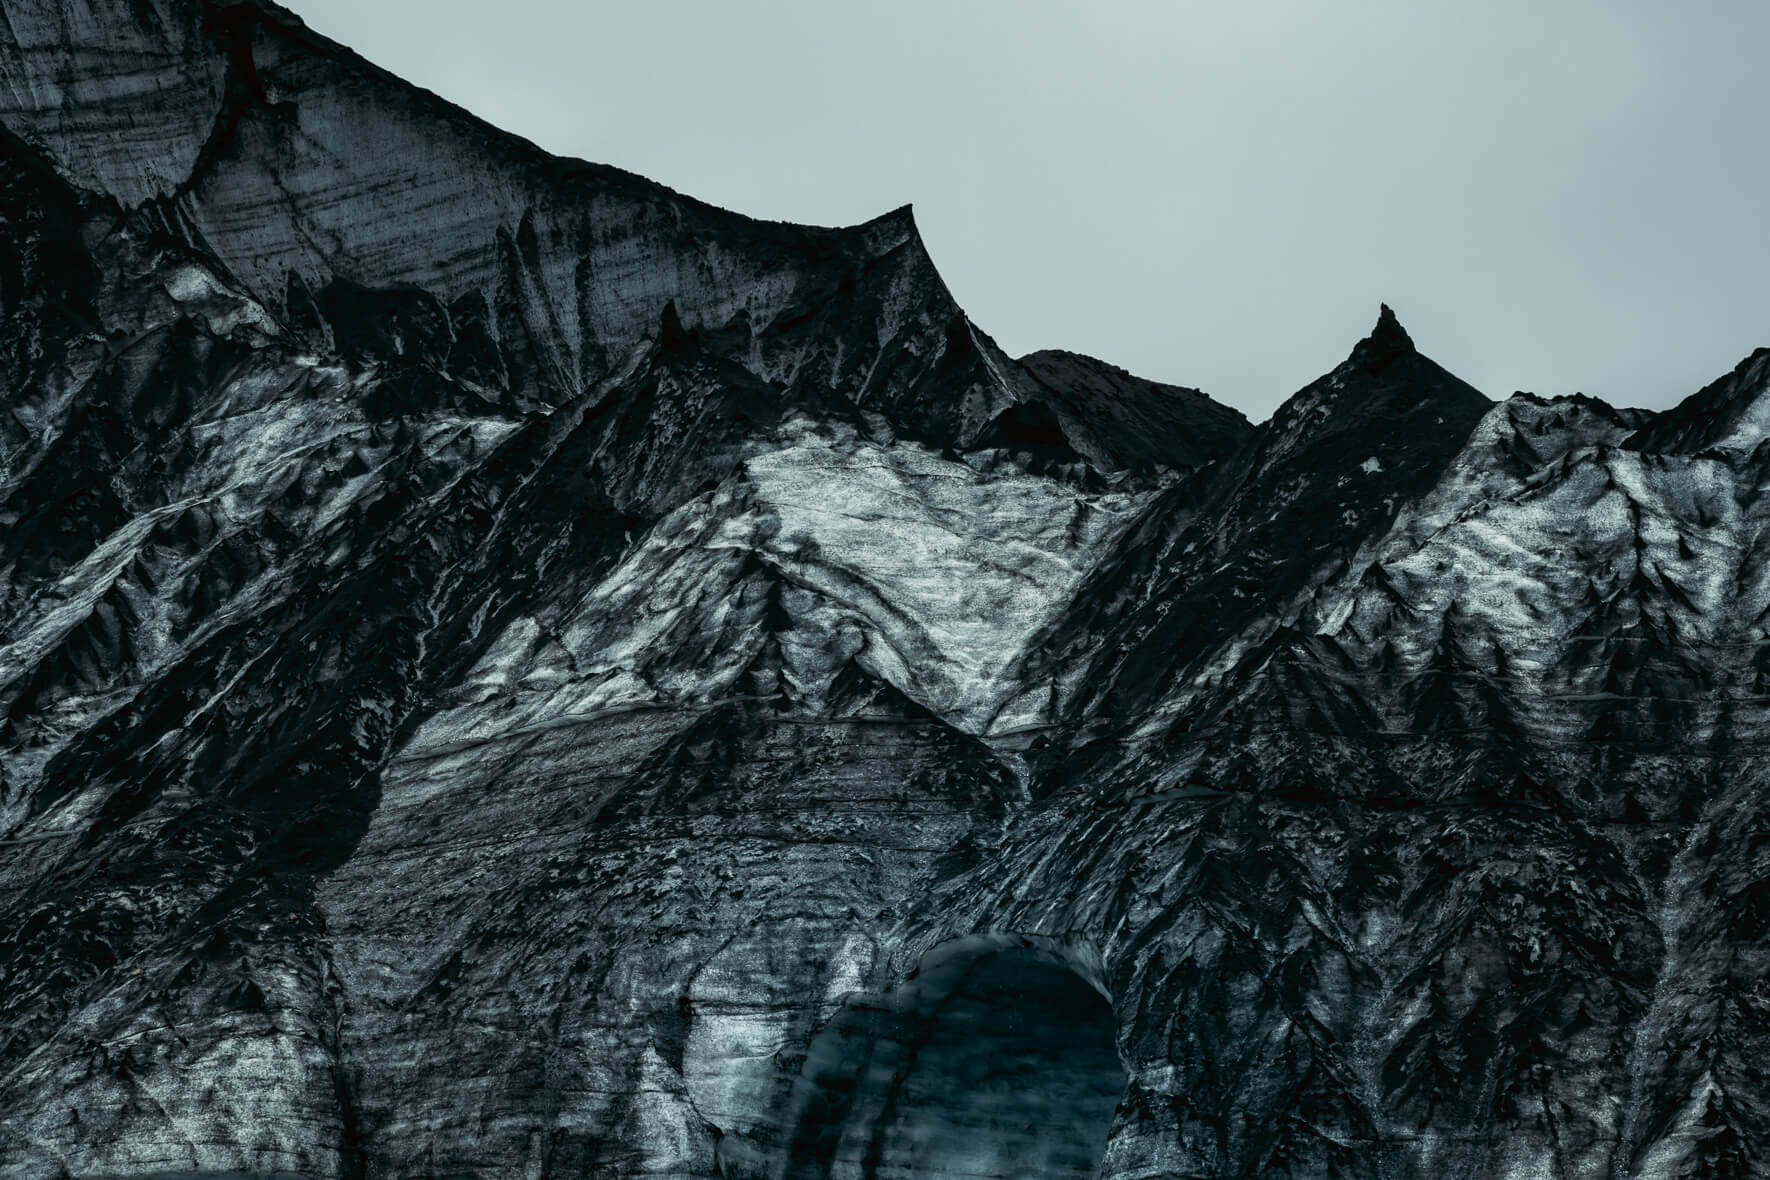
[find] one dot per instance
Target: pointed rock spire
(1387, 343)
(672, 336)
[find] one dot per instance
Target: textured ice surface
(421, 756)
(1523, 564)
(113, 89)
(924, 571)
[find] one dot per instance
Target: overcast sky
(1555, 195)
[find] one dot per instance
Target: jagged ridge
(508, 669)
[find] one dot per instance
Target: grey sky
(1554, 195)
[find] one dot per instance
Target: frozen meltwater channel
(917, 568)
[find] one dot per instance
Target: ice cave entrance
(992, 1060)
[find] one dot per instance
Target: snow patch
(923, 571)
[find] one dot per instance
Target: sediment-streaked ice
(925, 572)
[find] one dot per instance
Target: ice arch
(995, 1058)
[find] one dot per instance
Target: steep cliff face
(508, 670)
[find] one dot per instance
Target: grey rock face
(507, 670)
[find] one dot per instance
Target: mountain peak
(1732, 412)
(1138, 422)
(1387, 343)
(888, 231)
(1385, 380)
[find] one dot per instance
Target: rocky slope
(508, 670)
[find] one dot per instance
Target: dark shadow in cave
(991, 1060)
